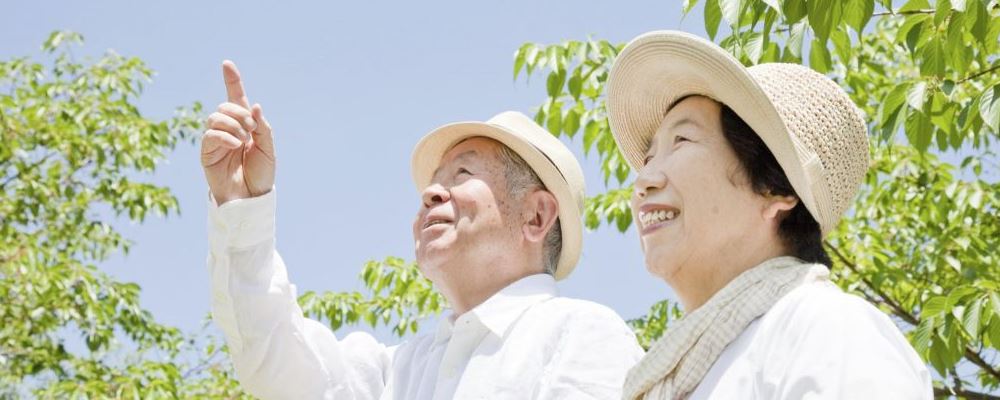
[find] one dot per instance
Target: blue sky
(349, 89)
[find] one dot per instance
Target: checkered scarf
(677, 362)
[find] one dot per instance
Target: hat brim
(658, 68)
(429, 151)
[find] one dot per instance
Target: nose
(435, 194)
(649, 178)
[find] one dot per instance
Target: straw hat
(816, 133)
(554, 164)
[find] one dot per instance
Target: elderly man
(499, 223)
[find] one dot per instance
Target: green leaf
(912, 29)
(754, 47)
(794, 44)
(590, 133)
(982, 21)
(971, 319)
(989, 107)
(916, 95)
(774, 4)
(954, 263)
(554, 122)
(713, 15)
(824, 16)
(919, 130)
(857, 13)
(688, 5)
(819, 57)
(794, 10)
(575, 84)
(938, 355)
(921, 336)
(731, 11)
(914, 5)
(841, 44)
(519, 59)
(932, 59)
(554, 83)
(571, 123)
(934, 307)
(942, 11)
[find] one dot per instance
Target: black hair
(798, 229)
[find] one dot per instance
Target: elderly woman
(741, 171)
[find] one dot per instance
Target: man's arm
(276, 352)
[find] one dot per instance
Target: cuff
(241, 223)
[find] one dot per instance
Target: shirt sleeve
(837, 346)
(276, 352)
(596, 350)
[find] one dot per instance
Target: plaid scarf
(677, 362)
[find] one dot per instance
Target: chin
(662, 264)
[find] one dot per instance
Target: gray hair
(520, 180)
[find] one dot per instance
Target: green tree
(921, 242)
(74, 147)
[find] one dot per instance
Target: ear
(776, 206)
(542, 210)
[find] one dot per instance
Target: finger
(215, 138)
(262, 136)
(240, 114)
(223, 122)
(234, 84)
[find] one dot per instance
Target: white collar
(502, 309)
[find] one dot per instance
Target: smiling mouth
(433, 222)
(653, 217)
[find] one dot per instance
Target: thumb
(262, 136)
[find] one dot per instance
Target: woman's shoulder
(821, 308)
(829, 337)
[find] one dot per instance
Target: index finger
(234, 84)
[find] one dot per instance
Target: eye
(647, 160)
(463, 171)
(679, 138)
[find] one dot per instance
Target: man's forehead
(471, 148)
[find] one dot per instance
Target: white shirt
(818, 342)
(524, 342)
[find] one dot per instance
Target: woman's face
(693, 204)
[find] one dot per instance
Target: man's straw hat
(816, 133)
(554, 164)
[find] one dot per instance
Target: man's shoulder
(570, 310)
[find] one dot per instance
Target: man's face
(465, 218)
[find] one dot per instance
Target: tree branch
(896, 308)
(966, 394)
(980, 73)
(907, 12)
(970, 354)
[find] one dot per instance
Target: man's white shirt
(525, 342)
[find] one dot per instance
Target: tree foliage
(920, 242)
(74, 149)
(922, 238)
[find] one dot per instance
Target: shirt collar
(500, 311)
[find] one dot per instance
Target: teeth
(649, 218)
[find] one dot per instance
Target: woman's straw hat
(812, 127)
(554, 164)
